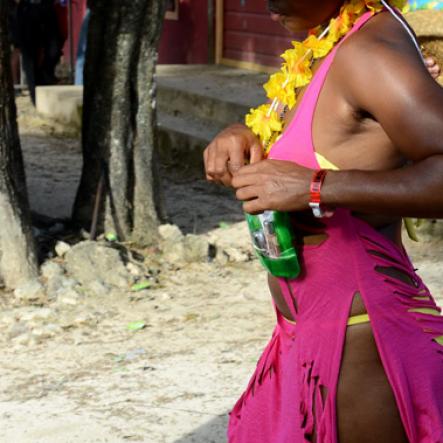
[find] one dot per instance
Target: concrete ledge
(61, 103)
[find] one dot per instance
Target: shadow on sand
(212, 432)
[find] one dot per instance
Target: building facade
(232, 32)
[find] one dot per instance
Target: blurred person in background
(81, 49)
(40, 40)
(14, 41)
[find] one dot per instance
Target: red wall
(250, 35)
(78, 12)
(186, 40)
(183, 41)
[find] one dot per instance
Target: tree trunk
(119, 119)
(17, 254)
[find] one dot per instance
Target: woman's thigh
(366, 407)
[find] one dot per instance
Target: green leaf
(111, 236)
(145, 284)
(224, 225)
(136, 326)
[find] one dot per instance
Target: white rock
(222, 258)
(40, 334)
(170, 233)
(164, 296)
(23, 339)
(8, 320)
(98, 288)
(53, 273)
(174, 253)
(53, 328)
(134, 269)
(61, 248)
(85, 320)
(196, 249)
(90, 261)
(237, 255)
(38, 315)
(51, 270)
(69, 283)
(68, 296)
(17, 329)
(31, 292)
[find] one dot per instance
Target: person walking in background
(14, 41)
(81, 49)
(40, 42)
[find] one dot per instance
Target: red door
(249, 34)
(185, 32)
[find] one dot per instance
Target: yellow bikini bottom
(354, 320)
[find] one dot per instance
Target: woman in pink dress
(357, 352)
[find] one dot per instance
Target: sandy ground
(173, 381)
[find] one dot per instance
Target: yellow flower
(281, 86)
(296, 71)
(357, 7)
(289, 94)
(319, 48)
(339, 26)
(274, 87)
(298, 66)
(374, 5)
(402, 5)
(264, 123)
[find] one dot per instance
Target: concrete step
(62, 103)
(194, 103)
(182, 140)
(216, 93)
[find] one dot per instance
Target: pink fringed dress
(285, 400)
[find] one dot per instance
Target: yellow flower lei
(296, 72)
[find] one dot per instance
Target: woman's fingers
(433, 67)
(242, 180)
(229, 152)
(248, 193)
(254, 207)
(430, 61)
(206, 162)
(256, 152)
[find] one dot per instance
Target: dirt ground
(174, 380)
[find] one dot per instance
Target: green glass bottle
(272, 238)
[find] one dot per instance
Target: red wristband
(315, 204)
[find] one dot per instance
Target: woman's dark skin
(379, 110)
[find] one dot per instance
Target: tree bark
(119, 119)
(17, 253)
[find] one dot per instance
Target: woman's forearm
(412, 191)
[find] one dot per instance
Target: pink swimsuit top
(296, 144)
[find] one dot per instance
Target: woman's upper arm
(387, 78)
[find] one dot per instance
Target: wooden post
(211, 31)
(218, 31)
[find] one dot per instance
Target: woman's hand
(273, 185)
(229, 152)
(433, 67)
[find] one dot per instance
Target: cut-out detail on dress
(312, 403)
(411, 292)
(394, 272)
